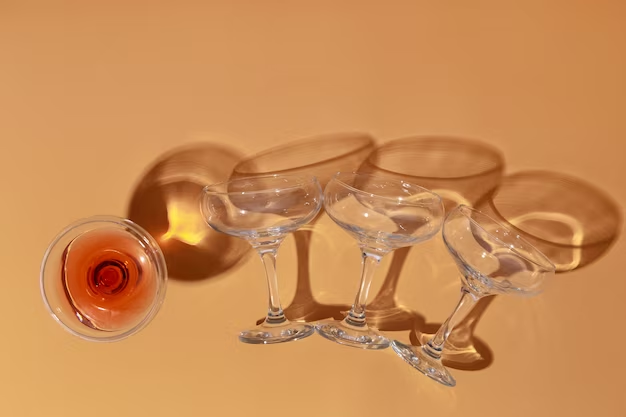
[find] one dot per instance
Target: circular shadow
(459, 170)
(321, 156)
(166, 204)
(572, 222)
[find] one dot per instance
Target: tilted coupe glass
(382, 214)
(263, 210)
(492, 260)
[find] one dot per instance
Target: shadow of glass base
(394, 319)
(313, 311)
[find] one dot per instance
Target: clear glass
(322, 156)
(556, 213)
(103, 278)
(492, 260)
(382, 214)
(461, 171)
(263, 210)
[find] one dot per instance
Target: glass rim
(352, 136)
(161, 274)
(301, 180)
(336, 176)
(464, 209)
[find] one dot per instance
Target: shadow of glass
(570, 221)
(166, 203)
(461, 171)
(383, 312)
(321, 156)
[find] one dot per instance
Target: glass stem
(434, 347)
(356, 316)
(275, 313)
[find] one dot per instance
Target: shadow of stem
(383, 313)
(304, 306)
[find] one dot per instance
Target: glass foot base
(276, 333)
(467, 353)
(424, 363)
(345, 334)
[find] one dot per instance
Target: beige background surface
(92, 93)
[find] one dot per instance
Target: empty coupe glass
(382, 214)
(492, 260)
(103, 278)
(322, 156)
(263, 210)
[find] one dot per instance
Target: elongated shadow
(461, 171)
(304, 306)
(571, 221)
(384, 313)
(321, 156)
(165, 202)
